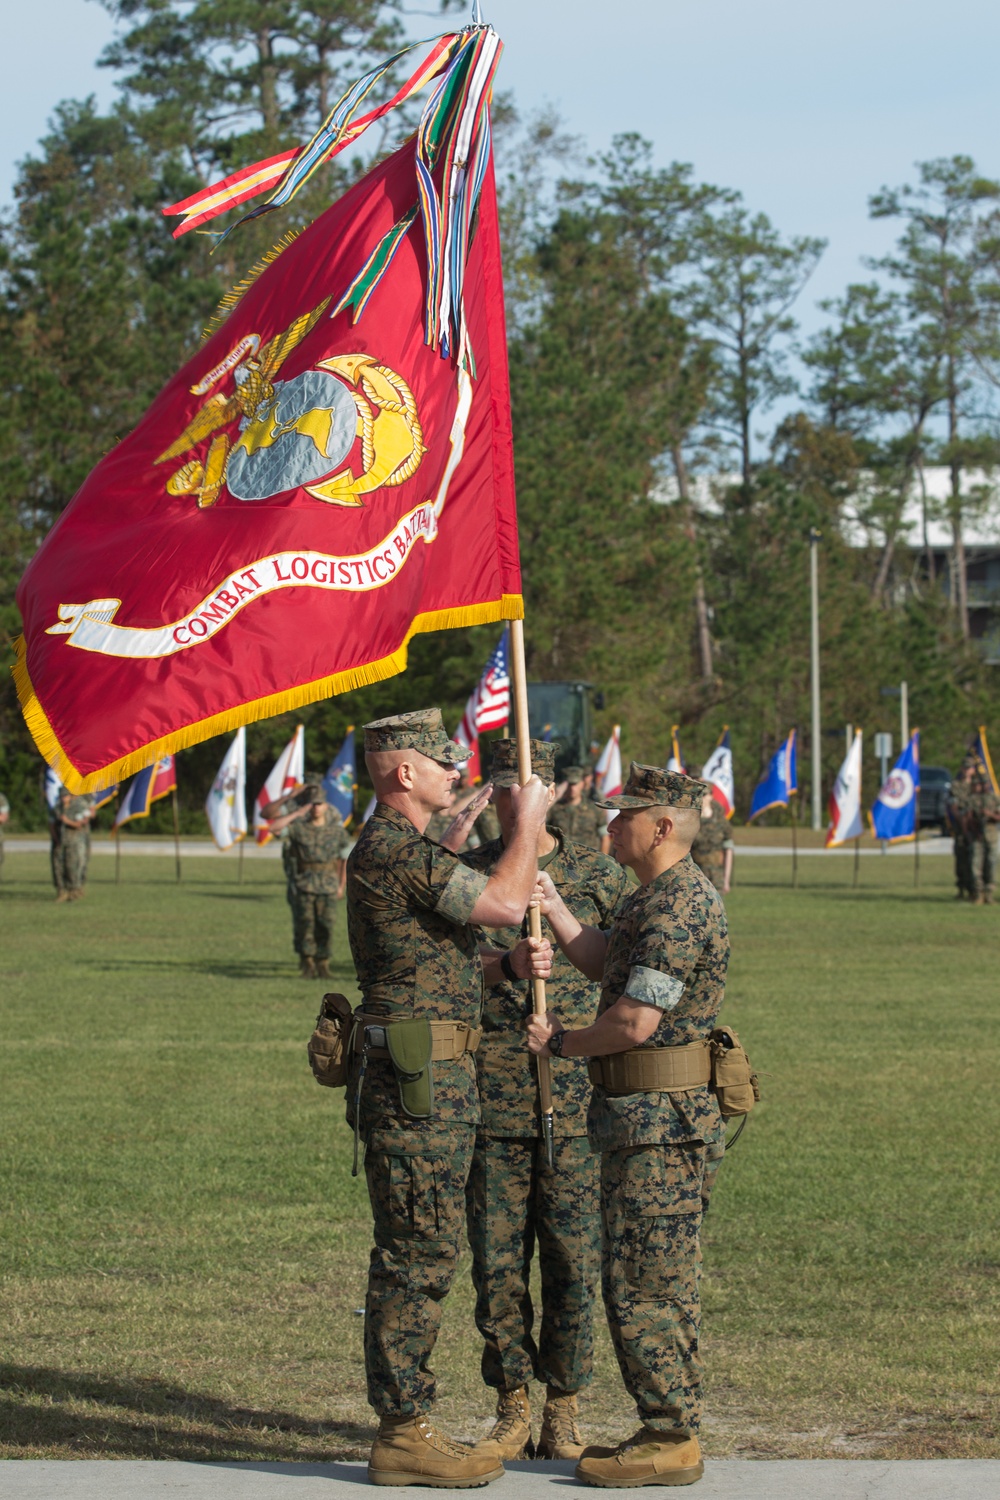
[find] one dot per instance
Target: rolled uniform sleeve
(438, 879)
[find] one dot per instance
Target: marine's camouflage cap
(421, 730)
(574, 774)
(652, 786)
(312, 791)
(503, 766)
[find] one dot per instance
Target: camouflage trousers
(416, 1185)
(312, 922)
(975, 866)
(514, 1202)
(69, 864)
(652, 1202)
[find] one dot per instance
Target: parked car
(935, 789)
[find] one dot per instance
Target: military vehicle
(563, 712)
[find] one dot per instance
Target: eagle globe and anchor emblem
(299, 433)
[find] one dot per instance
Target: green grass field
(184, 1249)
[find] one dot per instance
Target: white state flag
(845, 799)
(288, 773)
(718, 772)
(226, 804)
(608, 771)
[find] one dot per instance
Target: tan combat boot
(307, 969)
(647, 1458)
(409, 1450)
(560, 1436)
(511, 1435)
(323, 969)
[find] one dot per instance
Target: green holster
(410, 1044)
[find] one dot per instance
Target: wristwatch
(556, 1043)
(507, 969)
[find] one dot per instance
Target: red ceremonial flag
(305, 495)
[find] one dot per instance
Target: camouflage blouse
(669, 948)
(312, 852)
(408, 908)
(584, 823)
(593, 887)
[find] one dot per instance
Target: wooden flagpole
(240, 876)
(177, 833)
(520, 685)
(795, 845)
(118, 855)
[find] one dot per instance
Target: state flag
(780, 781)
(895, 812)
(226, 803)
(340, 781)
(287, 773)
(845, 799)
(146, 787)
(608, 770)
(675, 761)
(718, 770)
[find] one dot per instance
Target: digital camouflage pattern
(654, 786)
(421, 730)
(515, 1203)
(416, 1184)
(709, 848)
(584, 824)
(652, 1202)
(70, 852)
(314, 853)
(660, 1150)
(408, 908)
(593, 888)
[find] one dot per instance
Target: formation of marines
(442, 1091)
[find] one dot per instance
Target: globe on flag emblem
(898, 789)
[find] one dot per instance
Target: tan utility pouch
(646, 1069)
(734, 1081)
(329, 1047)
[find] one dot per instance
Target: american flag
(489, 704)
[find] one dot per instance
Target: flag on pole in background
(780, 781)
(145, 788)
(981, 751)
(894, 815)
(608, 770)
(488, 706)
(329, 474)
(675, 761)
(718, 770)
(287, 773)
(845, 799)
(53, 786)
(226, 803)
(340, 781)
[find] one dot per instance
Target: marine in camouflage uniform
(515, 1200)
(669, 950)
(315, 845)
(974, 815)
(582, 822)
(409, 905)
(69, 830)
(712, 849)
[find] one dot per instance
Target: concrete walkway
(197, 848)
(725, 1479)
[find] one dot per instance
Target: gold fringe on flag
(238, 291)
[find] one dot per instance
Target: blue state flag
(780, 781)
(894, 815)
(981, 751)
(339, 781)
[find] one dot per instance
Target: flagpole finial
(477, 13)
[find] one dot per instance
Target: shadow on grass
(243, 969)
(39, 1408)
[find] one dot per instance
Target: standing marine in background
(713, 848)
(974, 817)
(314, 852)
(69, 831)
(516, 1201)
(412, 1094)
(580, 819)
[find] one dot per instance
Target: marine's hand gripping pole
(519, 678)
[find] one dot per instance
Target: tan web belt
(645, 1069)
(318, 864)
(449, 1039)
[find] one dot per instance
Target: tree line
(655, 355)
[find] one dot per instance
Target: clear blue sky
(806, 109)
